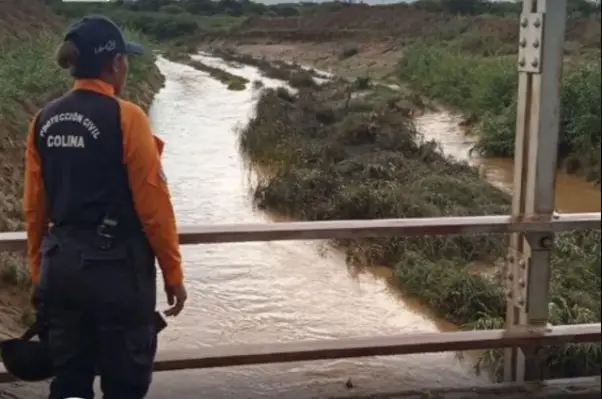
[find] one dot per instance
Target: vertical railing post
(541, 43)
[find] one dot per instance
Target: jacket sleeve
(142, 157)
(34, 204)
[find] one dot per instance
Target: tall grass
(160, 25)
(233, 82)
(575, 299)
(27, 78)
(27, 71)
(221, 23)
(29, 74)
(485, 89)
(476, 302)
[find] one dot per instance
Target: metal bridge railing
(238, 355)
(238, 232)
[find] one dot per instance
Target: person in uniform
(98, 212)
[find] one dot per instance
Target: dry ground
(375, 58)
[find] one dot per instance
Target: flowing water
(273, 291)
(573, 194)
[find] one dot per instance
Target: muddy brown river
(573, 194)
(276, 291)
(272, 291)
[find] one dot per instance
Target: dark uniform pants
(96, 309)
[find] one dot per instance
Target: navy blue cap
(97, 39)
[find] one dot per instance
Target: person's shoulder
(51, 104)
(131, 111)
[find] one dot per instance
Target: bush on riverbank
(485, 88)
(233, 82)
(159, 25)
(334, 158)
(181, 55)
(30, 78)
(475, 302)
(294, 74)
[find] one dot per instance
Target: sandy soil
(376, 59)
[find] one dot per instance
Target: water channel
(573, 194)
(275, 291)
(269, 292)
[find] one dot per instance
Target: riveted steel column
(541, 42)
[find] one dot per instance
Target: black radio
(105, 234)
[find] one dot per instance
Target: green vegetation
(501, 8)
(220, 23)
(237, 8)
(236, 85)
(476, 23)
(169, 19)
(335, 155)
(233, 82)
(26, 82)
(159, 25)
(294, 74)
(485, 88)
(476, 302)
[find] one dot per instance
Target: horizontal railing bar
(227, 233)
(251, 354)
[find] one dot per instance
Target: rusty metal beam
(228, 233)
(250, 354)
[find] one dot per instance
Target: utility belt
(104, 235)
(113, 226)
(114, 232)
(107, 240)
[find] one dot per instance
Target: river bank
(30, 78)
(335, 158)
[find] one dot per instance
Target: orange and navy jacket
(85, 148)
